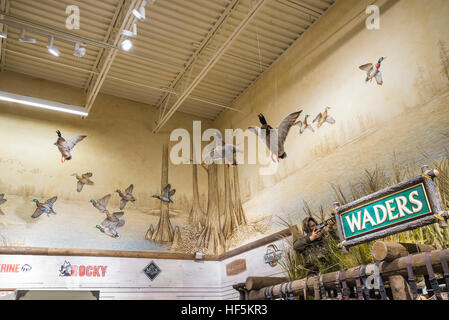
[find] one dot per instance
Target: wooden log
(255, 283)
(400, 288)
(388, 251)
(101, 253)
(256, 244)
(240, 287)
(387, 269)
(421, 222)
(298, 287)
(432, 193)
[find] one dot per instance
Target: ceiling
(194, 56)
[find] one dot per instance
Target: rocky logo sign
(69, 270)
(236, 267)
(408, 205)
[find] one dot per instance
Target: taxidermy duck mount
(66, 147)
(373, 71)
(280, 134)
(127, 196)
(82, 180)
(166, 195)
(46, 207)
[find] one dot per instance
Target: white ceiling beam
(106, 39)
(109, 56)
(249, 17)
(202, 46)
(4, 7)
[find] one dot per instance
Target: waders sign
(408, 205)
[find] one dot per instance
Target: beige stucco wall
(405, 116)
(120, 149)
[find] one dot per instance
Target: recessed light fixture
(127, 44)
(45, 104)
(3, 35)
(22, 37)
(51, 48)
(79, 51)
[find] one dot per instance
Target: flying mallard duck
(110, 228)
(101, 205)
(280, 133)
(222, 151)
(303, 125)
(372, 71)
(2, 201)
(324, 117)
(110, 224)
(128, 196)
(46, 207)
(82, 180)
(166, 194)
(65, 147)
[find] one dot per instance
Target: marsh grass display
(369, 182)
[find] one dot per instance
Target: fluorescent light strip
(40, 103)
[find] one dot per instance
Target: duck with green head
(127, 196)
(46, 207)
(303, 125)
(112, 221)
(373, 71)
(166, 195)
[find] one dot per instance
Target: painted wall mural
(111, 185)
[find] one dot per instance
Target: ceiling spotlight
(26, 40)
(51, 48)
(127, 44)
(132, 33)
(79, 52)
(140, 14)
(3, 35)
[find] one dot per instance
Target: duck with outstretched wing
(66, 147)
(46, 207)
(266, 132)
(166, 195)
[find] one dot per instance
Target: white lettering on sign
(355, 221)
(384, 212)
(367, 218)
(402, 206)
(390, 210)
(415, 202)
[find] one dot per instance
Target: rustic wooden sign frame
(437, 213)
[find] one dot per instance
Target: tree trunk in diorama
(230, 219)
(196, 215)
(212, 238)
(164, 229)
(240, 214)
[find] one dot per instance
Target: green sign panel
(390, 210)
